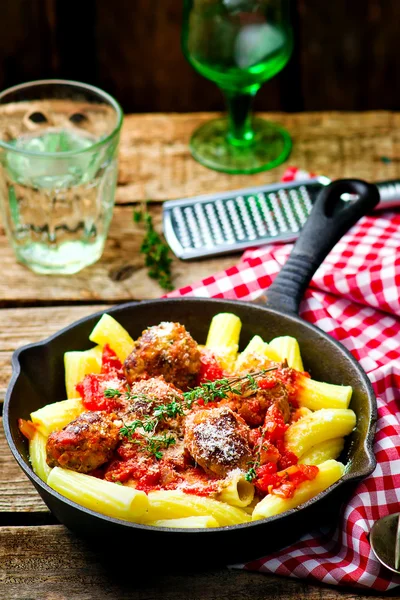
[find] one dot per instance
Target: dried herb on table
(156, 252)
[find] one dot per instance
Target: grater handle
(389, 194)
(330, 218)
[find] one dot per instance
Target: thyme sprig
(251, 473)
(209, 391)
(152, 444)
(155, 250)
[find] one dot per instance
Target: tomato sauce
(110, 363)
(210, 369)
(276, 469)
(93, 386)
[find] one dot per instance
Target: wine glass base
(269, 148)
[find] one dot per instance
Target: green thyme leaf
(208, 391)
(137, 216)
(156, 252)
(250, 474)
(112, 393)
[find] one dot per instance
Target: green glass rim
(78, 84)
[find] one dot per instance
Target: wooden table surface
(40, 559)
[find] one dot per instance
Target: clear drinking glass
(58, 172)
(238, 44)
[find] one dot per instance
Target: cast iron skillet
(38, 379)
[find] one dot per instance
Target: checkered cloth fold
(355, 297)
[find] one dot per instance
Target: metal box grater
(218, 224)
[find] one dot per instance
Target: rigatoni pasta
(186, 523)
(55, 416)
(79, 364)
(319, 426)
(329, 472)
(109, 331)
(37, 455)
(237, 491)
(255, 353)
(172, 504)
(323, 451)
(168, 433)
(287, 348)
(317, 394)
(110, 499)
(223, 338)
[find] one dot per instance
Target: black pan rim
(16, 370)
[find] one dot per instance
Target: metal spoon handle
(389, 192)
(397, 547)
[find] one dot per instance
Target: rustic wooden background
(346, 54)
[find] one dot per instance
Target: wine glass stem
(240, 132)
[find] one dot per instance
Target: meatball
(168, 350)
(84, 444)
(252, 408)
(147, 394)
(218, 440)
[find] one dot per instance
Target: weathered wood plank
(49, 563)
(120, 274)
(156, 163)
(17, 492)
(26, 325)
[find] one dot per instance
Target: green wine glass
(238, 44)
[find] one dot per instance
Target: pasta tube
(37, 455)
(223, 338)
(187, 523)
(317, 427)
(316, 394)
(329, 472)
(107, 498)
(301, 412)
(57, 415)
(172, 504)
(324, 451)
(238, 491)
(255, 350)
(109, 331)
(79, 364)
(287, 347)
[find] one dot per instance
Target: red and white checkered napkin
(355, 297)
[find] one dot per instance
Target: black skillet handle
(330, 218)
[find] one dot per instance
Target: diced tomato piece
(110, 363)
(150, 481)
(290, 479)
(287, 458)
(92, 389)
(288, 377)
(210, 369)
(284, 490)
(274, 426)
(199, 491)
(266, 475)
(27, 428)
(201, 402)
(266, 384)
(306, 472)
